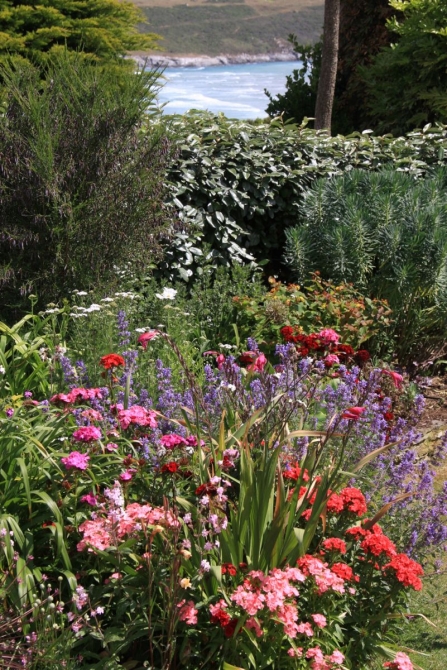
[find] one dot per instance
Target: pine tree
(103, 30)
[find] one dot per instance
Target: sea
(235, 90)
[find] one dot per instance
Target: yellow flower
(185, 583)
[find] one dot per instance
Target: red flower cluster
(171, 467)
(294, 472)
(334, 544)
(377, 545)
(353, 501)
(222, 618)
(361, 356)
(348, 500)
(406, 571)
(316, 342)
(229, 569)
(208, 489)
(345, 572)
(357, 532)
(111, 361)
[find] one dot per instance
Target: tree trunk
(328, 73)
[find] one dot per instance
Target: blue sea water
(235, 90)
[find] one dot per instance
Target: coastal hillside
(214, 27)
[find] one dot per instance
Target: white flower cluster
(167, 294)
(78, 311)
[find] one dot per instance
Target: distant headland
(155, 60)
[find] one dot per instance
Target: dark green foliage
(300, 96)
(386, 232)
(239, 185)
(104, 30)
(407, 82)
(81, 169)
(363, 33)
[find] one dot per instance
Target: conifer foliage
(103, 30)
(386, 232)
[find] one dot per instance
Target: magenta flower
(87, 434)
(76, 460)
(172, 440)
(90, 499)
(329, 336)
(127, 475)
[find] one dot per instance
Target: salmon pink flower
(258, 365)
(330, 360)
(319, 620)
(92, 415)
(144, 338)
(187, 612)
(401, 662)
(138, 415)
(305, 629)
(396, 378)
(353, 413)
(336, 657)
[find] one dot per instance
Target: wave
(236, 90)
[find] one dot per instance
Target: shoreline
(209, 61)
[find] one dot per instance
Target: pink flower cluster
(172, 440)
(87, 434)
(401, 662)
(329, 336)
(273, 595)
(318, 660)
(105, 531)
(138, 415)
(187, 612)
(324, 578)
(77, 394)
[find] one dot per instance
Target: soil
(433, 423)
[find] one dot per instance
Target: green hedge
(239, 184)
